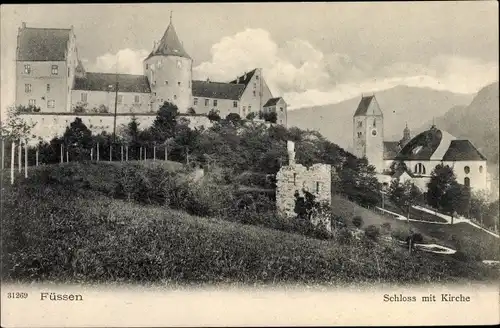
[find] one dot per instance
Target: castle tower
(368, 127)
(168, 69)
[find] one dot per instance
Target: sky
(311, 53)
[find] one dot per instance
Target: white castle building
(53, 87)
(420, 154)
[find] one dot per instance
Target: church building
(414, 158)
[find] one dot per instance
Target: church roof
(363, 106)
(436, 144)
(103, 81)
(42, 44)
(463, 150)
(391, 149)
(217, 90)
(245, 78)
(169, 45)
(272, 101)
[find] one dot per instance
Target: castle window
(215, 102)
(55, 69)
(256, 77)
(360, 134)
(51, 103)
(48, 87)
(166, 82)
(27, 88)
(136, 99)
(481, 169)
(120, 99)
(195, 101)
(179, 64)
(254, 93)
(281, 109)
(147, 66)
(178, 83)
(32, 102)
(83, 96)
(175, 96)
(467, 181)
(68, 71)
(249, 108)
(235, 104)
(317, 186)
(27, 69)
(466, 170)
(374, 123)
(360, 124)
(295, 179)
(206, 102)
(419, 168)
(255, 85)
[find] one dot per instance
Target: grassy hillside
(399, 105)
(462, 236)
(64, 227)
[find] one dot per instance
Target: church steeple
(406, 136)
(169, 44)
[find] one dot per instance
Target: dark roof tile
(363, 105)
(217, 90)
(102, 81)
(391, 149)
(245, 78)
(42, 44)
(272, 102)
(169, 45)
(462, 150)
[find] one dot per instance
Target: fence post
(126, 153)
(97, 151)
(67, 156)
(140, 153)
(154, 153)
(36, 156)
(62, 154)
(166, 151)
(92, 153)
(145, 153)
(12, 161)
(110, 152)
(26, 159)
(121, 148)
(3, 153)
(20, 157)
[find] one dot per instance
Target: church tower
(406, 136)
(168, 69)
(368, 138)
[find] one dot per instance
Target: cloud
(305, 76)
(129, 62)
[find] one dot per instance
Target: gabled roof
(462, 150)
(272, 101)
(169, 45)
(423, 146)
(245, 78)
(391, 149)
(217, 90)
(364, 105)
(103, 81)
(42, 44)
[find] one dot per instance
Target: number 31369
(17, 295)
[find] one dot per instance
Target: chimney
(245, 76)
(23, 25)
(291, 152)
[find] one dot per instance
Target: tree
(165, 122)
(16, 128)
(251, 116)
(405, 195)
(270, 117)
(213, 115)
(442, 179)
(455, 200)
(191, 111)
(78, 138)
(233, 117)
(357, 221)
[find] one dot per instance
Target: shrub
(344, 236)
(357, 221)
(400, 234)
(386, 227)
(372, 232)
(191, 111)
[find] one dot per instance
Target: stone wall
(297, 178)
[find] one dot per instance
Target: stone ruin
(296, 178)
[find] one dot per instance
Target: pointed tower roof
(368, 106)
(169, 44)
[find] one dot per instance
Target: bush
(372, 232)
(344, 236)
(357, 221)
(386, 227)
(400, 234)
